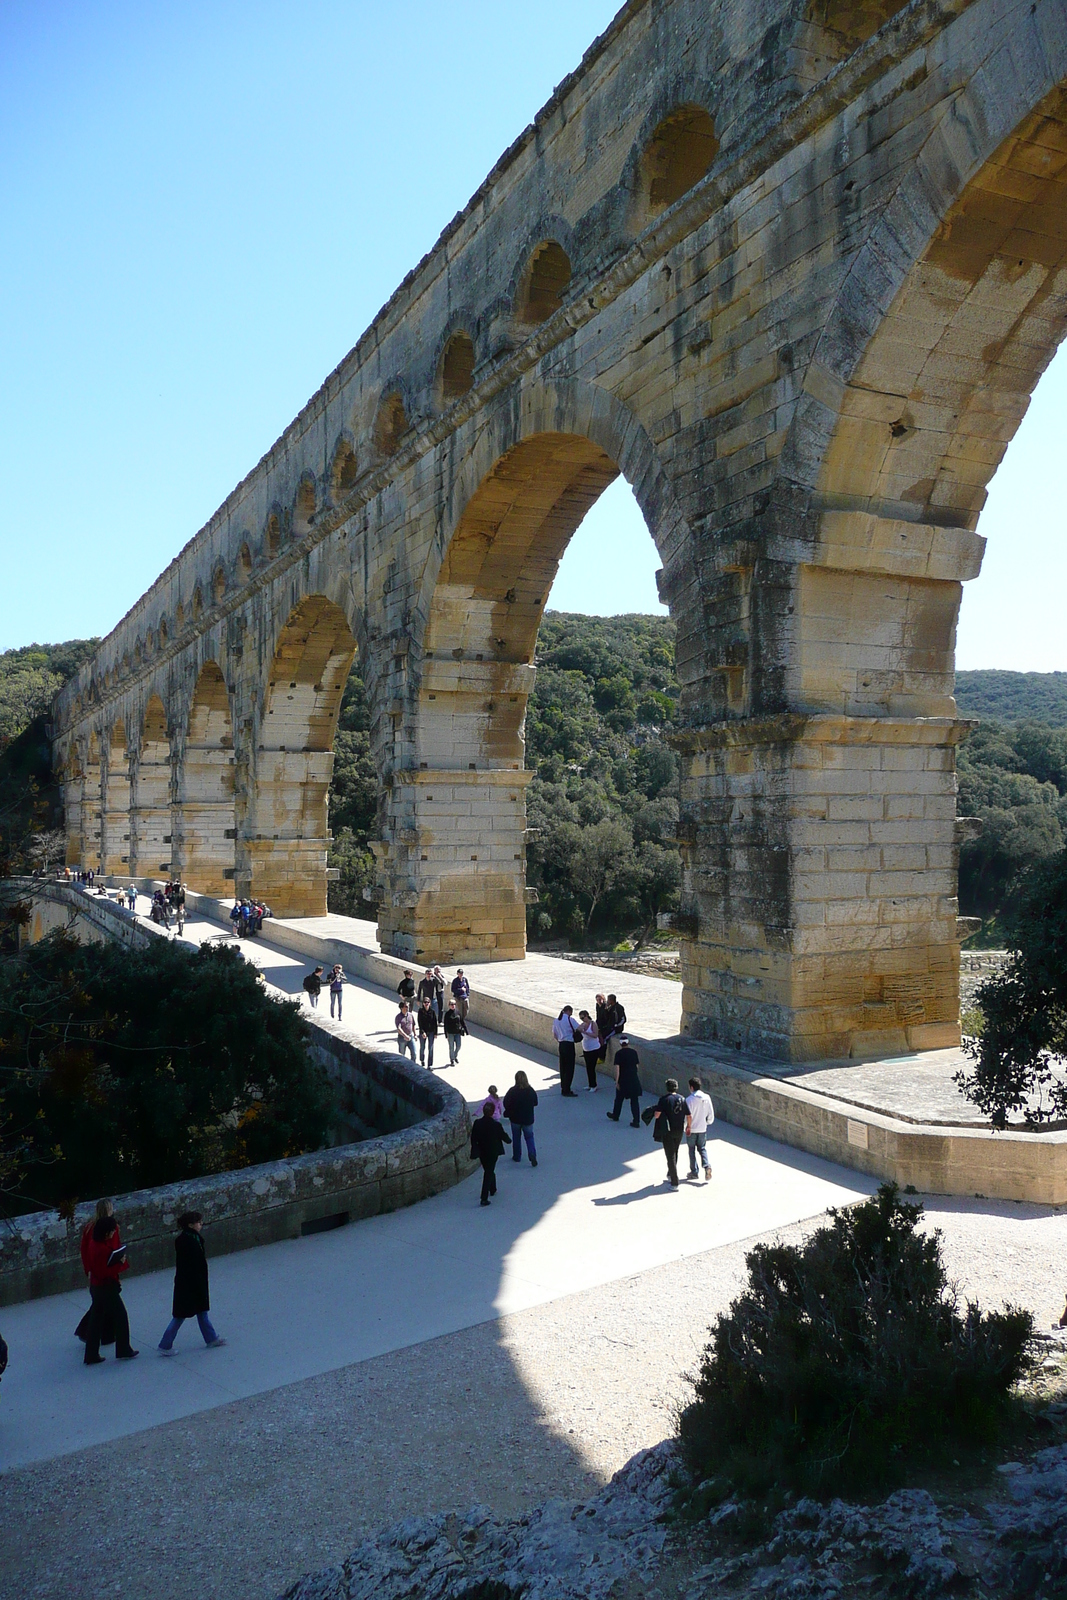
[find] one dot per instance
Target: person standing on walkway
(461, 993)
(602, 1012)
(615, 1019)
(427, 987)
(313, 987)
(104, 1259)
(427, 1020)
(627, 1082)
(179, 907)
(406, 987)
(487, 1146)
(235, 918)
(701, 1115)
(670, 1120)
(519, 1103)
(439, 986)
(337, 985)
(565, 1031)
(590, 1048)
(190, 1284)
(455, 1028)
(405, 1030)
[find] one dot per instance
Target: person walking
(337, 985)
(627, 1082)
(235, 918)
(670, 1120)
(313, 987)
(590, 1049)
(498, 1104)
(519, 1103)
(439, 987)
(487, 1146)
(461, 993)
(190, 1284)
(455, 1028)
(701, 1115)
(427, 987)
(179, 907)
(406, 987)
(427, 1020)
(104, 1259)
(566, 1032)
(404, 1024)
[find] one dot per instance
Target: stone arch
(345, 469)
(218, 584)
(91, 805)
(390, 423)
(115, 829)
(456, 371)
(151, 832)
(272, 534)
(457, 823)
(304, 506)
(543, 283)
(244, 562)
(198, 603)
(208, 827)
(163, 633)
(294, 757)
(676, 156)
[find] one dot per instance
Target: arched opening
(849, 23)
(151, 831)
(294, 758)
(390, 425)
(198, 604)
(115, 833)
(304, 508)
(244, 563)
(543, 284)
(345, 468)
(457, 368)
(677, 156)
(163, 633)
(207, 814)
(218, 584)
(179, 617)
(590, 749)
(272, 537)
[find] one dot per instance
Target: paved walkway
(594, 1210)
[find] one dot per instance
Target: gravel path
(239, 1501)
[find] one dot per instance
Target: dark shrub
(847, 1357)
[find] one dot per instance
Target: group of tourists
(166, 902)
(247, 917)
(87, 878)
(594, 1033)
(488, 1137)
(335, 983)
(105, 1258)
(434, 1005)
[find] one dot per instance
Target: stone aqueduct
(791, 266)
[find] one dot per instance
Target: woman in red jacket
(104, 1259)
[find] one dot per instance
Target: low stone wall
(423, 1151)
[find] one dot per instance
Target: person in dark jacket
(455, 1028)
(104, 1259)
(519, 1105)
(406, 987)
(427, 1021)
(487, 1146)
(313, 986)
(670, 1119)
(627, 1082)
(190, 1284)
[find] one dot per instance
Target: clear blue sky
(206, 203)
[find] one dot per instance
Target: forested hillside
(603, 803)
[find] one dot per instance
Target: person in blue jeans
(190, 1284)
(519, 1103)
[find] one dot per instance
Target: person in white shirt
(566, 1034)
(700, 1114)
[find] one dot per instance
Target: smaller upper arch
(678, 153)
(345, 468)
(304, 506)
(244, 562)
(218, 583)
(163, 633)
(543, 283)
(456, 367)
(154, 722)
(390, 422)
(272, 533)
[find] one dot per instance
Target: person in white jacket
(700, 1114)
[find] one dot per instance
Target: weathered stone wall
(794, 271)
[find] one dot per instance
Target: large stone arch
(91, 804)
(453, 858)
(115, 822)
(207, 824)
(289, 836)
(151, 832)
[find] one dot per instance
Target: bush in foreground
(131, 1068)
(848, 1357)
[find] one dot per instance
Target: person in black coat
(627, 1082)
(519, 1105)
(487, 1146)
(190, 1284)
(671, 1113)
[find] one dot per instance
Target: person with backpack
(627, 1082)
(104, 1259)
(313, 987)
(235, 918)
(566, 1033)
(455, 1028)
(487, 1146)
(427, 1021)
(669, 1129)
(337, 985)
(404, 1023)
(519, 1103)
(190, 1284)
